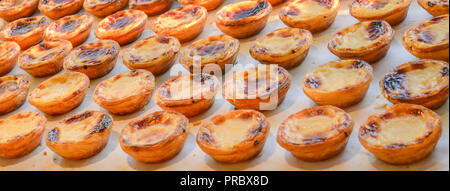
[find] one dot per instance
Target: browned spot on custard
(209, 49)
(325, 3)
(358, 64)
(8, 86)
(395, 82)
(245, 116)
(414, 66)
(183, 13)
(291, 11)
(312, 82)
(163, 39)
(444, 71)
(121, 22)
(53, 135)
(370, 129)
(249, 12)
(425, 37)
(103, 124)
(26, 26)
(375, 29)
(69, 26)
(396, 145)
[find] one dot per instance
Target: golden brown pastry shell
(208, 4)
(151, 7)
(103, 10)
(394, 17)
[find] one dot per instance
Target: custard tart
(235, 136)
(123, 27)
(13, 92)
(367, 40)
(422, 82)
(435, 7)
(60, 93)
(151, 7)
(286, 47)
(214, 53)
(103, 8)
(339, 83)
(275, 2)
(26, 32)
(157, 137)
(74, 28)
(95, 59)
(11, 10)
(260, 88)
(80, 136)
(184, 23)
(56, 9)
(20, 134)
(316, 133)
(391, 11)
(189, 95)
(429, 39)
(312, 15)
(243, 19)
(208, 4)
(45, 59)
(156, 54)
(9, 52)
(403, 134)
(125, 93)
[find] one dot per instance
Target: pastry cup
(184, 23)
(104, 8)
(213, 51)
(434, 7)
(95, 59)
(15, 9)
(316, 133)
(56, 9)
(125, 93)
(9, 52)
(123, 27)
(156, 54)
(208, 4)
(80, 136)
(312, 15)
(157, 137)
(60, 93)
(233, 137)
(25, 32)
(393, 12)
(367, 40)
(13, 92)
(151, 7)
(45, 59)
(20, 134)
(286, 47)
(403, 134)
(275, 2)
(189, 95)
(74, 28)
(256, 88)
(341, 83)
(243, 19)
(429, 40)
(422, 82)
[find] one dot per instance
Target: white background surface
(273, 157)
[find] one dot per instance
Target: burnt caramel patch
(103, 124)
(395, 82)
(8, 86)
(312, 82)
(78, 118)
(444, 71)
(370, 129)
(26, 25)
(209, 49)
(121, 22)
(425, 37)
(375, 29)
(250, 11)
(69, 26)
(53, 135)
(325, 3)
(396, 145)
(359, 64)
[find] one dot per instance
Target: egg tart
(95, 59)
(123, 27)
(429, 39)
(260, 88)
(45, 59)
(243, 19)
(13, 92)
(367, 40)
(208, 4)
(56, 9)
(435, 7)
(391, 11)
(11, 10)
(275, 2)
(125, 93)
(80, 136)
(26, 32)
(74, 28)
(286, 47)
(20, 134)
(184, 23)
(316, 133)
(156, 54)
(60, 93)
(422, 82)
(403, 134)
(103, 8)
(214, 52)
(157, 137)
(189, 95)
(312, 15)
(235, 136)
(151, 7)
(9, 52)
(339, 83)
